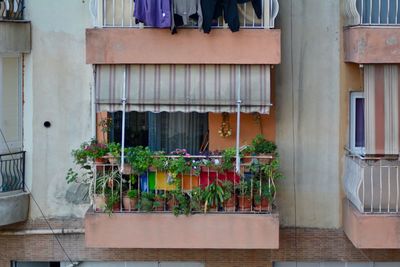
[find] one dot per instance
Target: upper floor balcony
(119, 38)
(371, 210)
(14, 201)
(15, 32)
(371, 33)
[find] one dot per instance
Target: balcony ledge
(15, 36)
(198, 231)
(372, 45)
(371, 231)
(14, 207)
(188, 46)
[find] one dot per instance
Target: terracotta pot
(244, 203)
(99, 202)
(229, 205)
(263, 205)
(113, 160)
(162, 203)
(101, 160)
(129, 203)
(171, 203)
(116, 206)
(127, 169)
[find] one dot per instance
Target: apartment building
(318, 78)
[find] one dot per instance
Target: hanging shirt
(153, 13)
(187, 8)
(212, 9)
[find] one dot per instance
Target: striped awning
(382, 118)
(186, 88)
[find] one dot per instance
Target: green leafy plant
(140, 158)
(228, 158)
(244, 188)
(112, 198)
(197, 198)
(178, 166)
(133, 193)
(228, 189)
(114, 149)
(263, 190)
(160, 161)
(146, 201)
(214, 194)
(182, 203)
(271, 170)
(263, 146)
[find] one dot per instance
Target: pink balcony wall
(199, 231)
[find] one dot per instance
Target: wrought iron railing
(119, 13)
(12, 171)
(372, 12)
(373, 185)
(11, 9)
(204, 187)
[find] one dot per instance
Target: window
(162, 131)
(10, 104)
(357, 123)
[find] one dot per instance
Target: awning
(186, 88)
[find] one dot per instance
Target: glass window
(357, 123)
(162, 131)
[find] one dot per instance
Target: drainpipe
(93, 100)
(238, 103)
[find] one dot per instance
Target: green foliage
(263, 190)
(197, 198)
(263, 146)
(244, 188)
(133, 193)
(112, 198)
(182, 203)
(228, 158)
(214, 194)
(271, 170)
(140, 158)
(178, 166)
(114, 149)
(228, 188)
(160, 161)
(146, 201)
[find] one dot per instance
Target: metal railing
(253, 191)
(119, 13)
(372, 12)
(12, 171)
(11, 9)
(373, 186)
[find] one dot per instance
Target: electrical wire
(40, 209)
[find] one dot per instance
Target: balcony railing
(12, 171)
(119, 13)
(206, 185)
(11, 9)
(373, 185)
(372, 12)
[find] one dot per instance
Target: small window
(357, 123)
(164, 131)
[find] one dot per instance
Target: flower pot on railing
(230, 204)
(262, 204)
(129, 204)
(159, 203)
(244, 203)
(127, 170)
(100, 202)
(116, 206)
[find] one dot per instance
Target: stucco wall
(57, 89)
(308, 112)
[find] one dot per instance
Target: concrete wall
(13, 207)
(57, 85)
(308, 112)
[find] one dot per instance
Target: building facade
(318, 78)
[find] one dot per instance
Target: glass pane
(359, 123)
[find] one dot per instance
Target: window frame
(354, 95)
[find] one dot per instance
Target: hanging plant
(225, 129)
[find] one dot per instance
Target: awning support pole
(123, 100)
(238, 103)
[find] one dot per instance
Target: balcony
(371, 211)
(371, 33)
(15, 32)
(182, 197)
(14, 202)
(117, 39)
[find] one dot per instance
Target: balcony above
(371, 211)
(15, 33)
(372, 29)
(117, 39)
(14, 202)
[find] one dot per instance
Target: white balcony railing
(372, 12)
(119, 13)
(373, 185)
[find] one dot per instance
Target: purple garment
(154, 13)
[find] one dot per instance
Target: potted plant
(228, 159)
(112, 201)
(263, 195)
(159, 202)
(263, 147)
(146, 201)
(140, 158)
(214, 196)
(229, 196)
(179, 203)
(130, 200)
(114, 152)
(244, 196)
(197, 198)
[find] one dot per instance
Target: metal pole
(238, 103)
(123, 100)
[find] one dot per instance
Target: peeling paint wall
(308, 113)
(57, 89)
